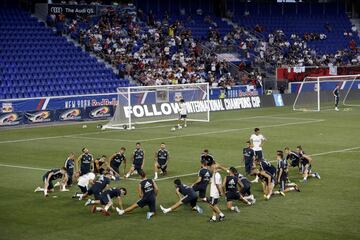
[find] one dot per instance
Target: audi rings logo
(56, 9)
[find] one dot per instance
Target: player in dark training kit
(293, 157)
(186, 195)
(203, 180)
(138, 160)
(84, 162)
(99, 163)
(245, 188)
(106, 200)
(100, 184)
(70, 165)
(50, 176)
(336, 96)
(282, 175)
(116, 160)
(210, 160)
(161, 160)
(147, 190)
(230, 185)
(305, 161)
(249, 158)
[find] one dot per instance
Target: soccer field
(324, 209)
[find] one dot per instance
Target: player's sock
(39, 189)
(276, 192)
(119, 211)
(256, 179)
(156, 175)
(149, 215)
(221, 214)
(213, 217)
(291, 188)
(79, 194)
(127, 175)
(107, 207)
(57, 184)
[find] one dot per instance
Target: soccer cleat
(336, 109)
(253, 201)
(119, 211)
(199, 209)
(88, 202)
(156, 177)
(149, 215)
(38, 189)
(297, 188)
(221, 218)
(57, 184)
(282, 193)
(64, 190)
(317, 175)
(212, 220)
(75, 195)
(93, 209)
(236, 209)
(163, 209)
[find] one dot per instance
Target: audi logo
(56, 9)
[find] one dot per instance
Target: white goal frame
(318, 80)
(127, 91)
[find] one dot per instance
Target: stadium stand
(35, 62)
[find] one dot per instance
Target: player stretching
(293, 157)
(209, 159)
(202, 181)
(138, 160)
(50, 176)
(249, 158)
(84, 182)
(336, 96)
(69, 165)
(245, 188)
(230, 185)
(116, 160)
(257, 141)
(183, 114)
(186, 195)
(306, 161)
(161, 160)
(106, 200)
(282, 175)
(84, 162)
(215, 192)
(99, 185)
(147, 190)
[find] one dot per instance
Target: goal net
(316, 93)
(151, 104)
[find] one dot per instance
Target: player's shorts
(50, 184)
(192, 200)
(230, 196)
(259, 155)
(83, 189)
(213, 201)
(248, 166)
(104, 199)
(184, 116)
(151, 202)
(201, 189)
(295, 163)
(95, 192)
(137, 168)
(116, 169)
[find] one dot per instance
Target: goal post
(316, 93)
(159, 103)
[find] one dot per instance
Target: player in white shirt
(183, 114)
(83, 183)
(257, 140)
(216, 191)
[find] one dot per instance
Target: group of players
(94, 178)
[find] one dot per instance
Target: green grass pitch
(324, 209)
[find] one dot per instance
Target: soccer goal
(151, 104)
(316, 93)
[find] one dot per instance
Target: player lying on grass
(115, 162)
(186, 195)
(138, 160)
(161, 160)
(204, 176)
(230, 186)
(210, 161)
(305, 161)
(100, 184)
(282, 175)
(148, 191)
(48, 179)
(293, 157)
(105, 200)
(215, 192)
(84, 182)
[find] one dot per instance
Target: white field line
(196, 134)
(276, 116)
(188, 174)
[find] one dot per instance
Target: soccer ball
(173, 129)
